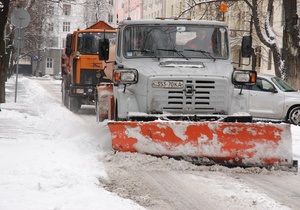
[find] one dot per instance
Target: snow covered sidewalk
(48, 155)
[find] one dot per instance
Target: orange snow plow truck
(175, 97)
(81, 69)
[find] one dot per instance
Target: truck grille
(196, 96)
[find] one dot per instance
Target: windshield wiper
(207, 54)
(174, 50)
(151, 53)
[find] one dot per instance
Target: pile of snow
(48, 155)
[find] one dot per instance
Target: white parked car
(272, 98)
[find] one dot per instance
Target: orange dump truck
(81, 68)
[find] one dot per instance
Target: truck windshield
(88, 43)
(173, 41)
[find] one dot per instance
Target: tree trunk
(3, 56)
(290, 49)
(2, 71)
(38, 71)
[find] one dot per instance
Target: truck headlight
(125, 76)
(244, 77)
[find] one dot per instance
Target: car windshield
(283, 85)
(88, 43)
(173, 41)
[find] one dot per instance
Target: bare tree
(286, 57)
(35, 32)
(290, 52)
(265, 33)
(97, 10)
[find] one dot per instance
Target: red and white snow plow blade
(226, 143)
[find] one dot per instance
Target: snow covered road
(51, 158)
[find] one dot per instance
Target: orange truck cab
(81, 68)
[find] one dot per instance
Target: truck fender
(126, 102)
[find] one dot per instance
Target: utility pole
(20, 18)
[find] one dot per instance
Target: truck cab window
(171, 41)
(88, 43)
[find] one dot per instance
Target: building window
(110, 18)
(67, 9)
(258, 57)
(282, 17)
(271, 18)
(49, 63)
(270, 60)
(63, 43)
(180, 7)
(111, 2)
(66, 26)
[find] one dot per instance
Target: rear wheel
(73, 104)
(294, 116)
(64, 94)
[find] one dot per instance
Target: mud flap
(227, 143)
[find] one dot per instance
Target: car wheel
(73, 104)
(294, 116)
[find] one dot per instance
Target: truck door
(265, 101)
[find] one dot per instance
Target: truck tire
(64, 93)
(73, 104)
(294, 116)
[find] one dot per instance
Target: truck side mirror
(103, 49)
(68, 45)
(68, 51)
(247, 46)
